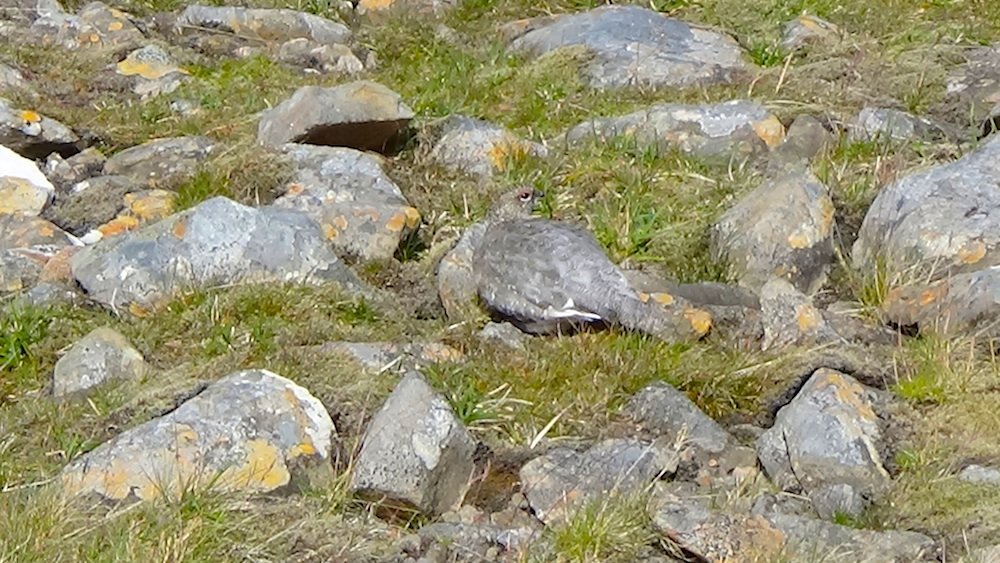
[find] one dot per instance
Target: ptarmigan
(547, 276)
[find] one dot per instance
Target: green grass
(609, 529)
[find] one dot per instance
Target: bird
(546, 276)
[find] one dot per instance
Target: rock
(268, 25)
(455, 281)
(28, 10)
(19, 270)
(251, 431)
(91, 203)
(20, 231)
(479, 148)
(935, 223)
(12, 79)
(791, 319)
(980, 475)
(375, 9)
(161, 163)
(504, 334)
(736, 128)
(362, 212)
(827, 438)
(217, 242)
(973, 89)
(806, 138)
(362, 115)
(23, 187)
(669, 413)
(101, 356)
(807, 537)
(33, 135)
(44, 294)
(461, 542)
(66, 172)
(154, 71)
(805, 30)
(415, 452)
(961, 304)
(635, 47)
(563, 481)
(781, 229)
(331, 59)
(377, 356)
(892, 124)
(96, 27)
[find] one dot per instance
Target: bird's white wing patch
(569, 311)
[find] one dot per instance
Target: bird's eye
(524, 195)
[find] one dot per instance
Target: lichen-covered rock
(362, 115)
(24, 231)
(33, 135)
(935, 223)
(96, 27)
(781, 229)
(735, 128)
(806, 537)
(635, 47)
(153, 70)
(826, 438)
(161, 163)
(331, 59)
(90, 203)
(217, 242)
(791, 319)
(23, 187)
(805, 139)
(669, 413)
(251, 431)
(362, 212)
(269, 25)
(19, 270)
(973, 89)
(103, 355)
(377, 356)
(892, 124)
(415, 451)
(562, 480)
(67, 172)
(479, 148)
(805, 30)
(961, 304)
(455, 281)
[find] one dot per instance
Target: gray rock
(19, 270)
(980, 474)
(461, 542)
(737, 128)
(973, 89)
(66, 172)
(378, 356)
(415, 451)
(153, 71)
(161, 163)
(277, 25)
(547, 276)
(479, 148)
(809, 539)
(562, 480)
(48, 294)
(103, 355)
(363, 115)
(217, 242)
(806, 138)
(23, 188)
(362, 212)
(783, 228)
(330, 59)
(805, 30)
(18, 231)
(636, 47)
(935, 223)
(96, 27)
(28, 10)
(791, 319)
(960, 304)
(251, 431)
(11, 78)
(669, 413)
(892, 124)
(33, 135)
(456, 283)
(504, 334)
(827, 436)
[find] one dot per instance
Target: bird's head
(515, 204)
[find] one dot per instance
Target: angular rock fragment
(96, 27)
(961, 304)
(331, 59)
(362, 115)
(19, 270)
(479, 148)
(153, 70)
(669, 413)
(161, 163)
(806, 138)
(781, 229)
(562, 480)
(635, 47)
(973, 90)
(20, 231)
(23, 187)
(733, 129)
(362, 212)
(217, 242)
(791, 319)
(33, 135)
(252, 431)
(892, 124)
(934, 224)
(269, 25)
(101, 356)
(805, 30)
(827, 443)
(415, 451)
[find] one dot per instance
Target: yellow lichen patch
(148, 69)
(664, 299)
(437, 352)
(301, 450)
(826, 214)
(340, 222)
(118, 225)
(30, 116)
(396, 222)
(369, 213)
(263, 470)
(799, 240)
(18, 195)
(375, 5)
(931, 295)
(412, 217)
(95, 38)
(701, 321)
(152, 206)
(179, 229)
(295, 189)
(643, 296)
(972, 252)
(329, 231)
(58, 268)
(138, 310)
(115, 26)
(807, 317)
(503, 151)
(46, 230)
(770, 130)
(848, 393)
